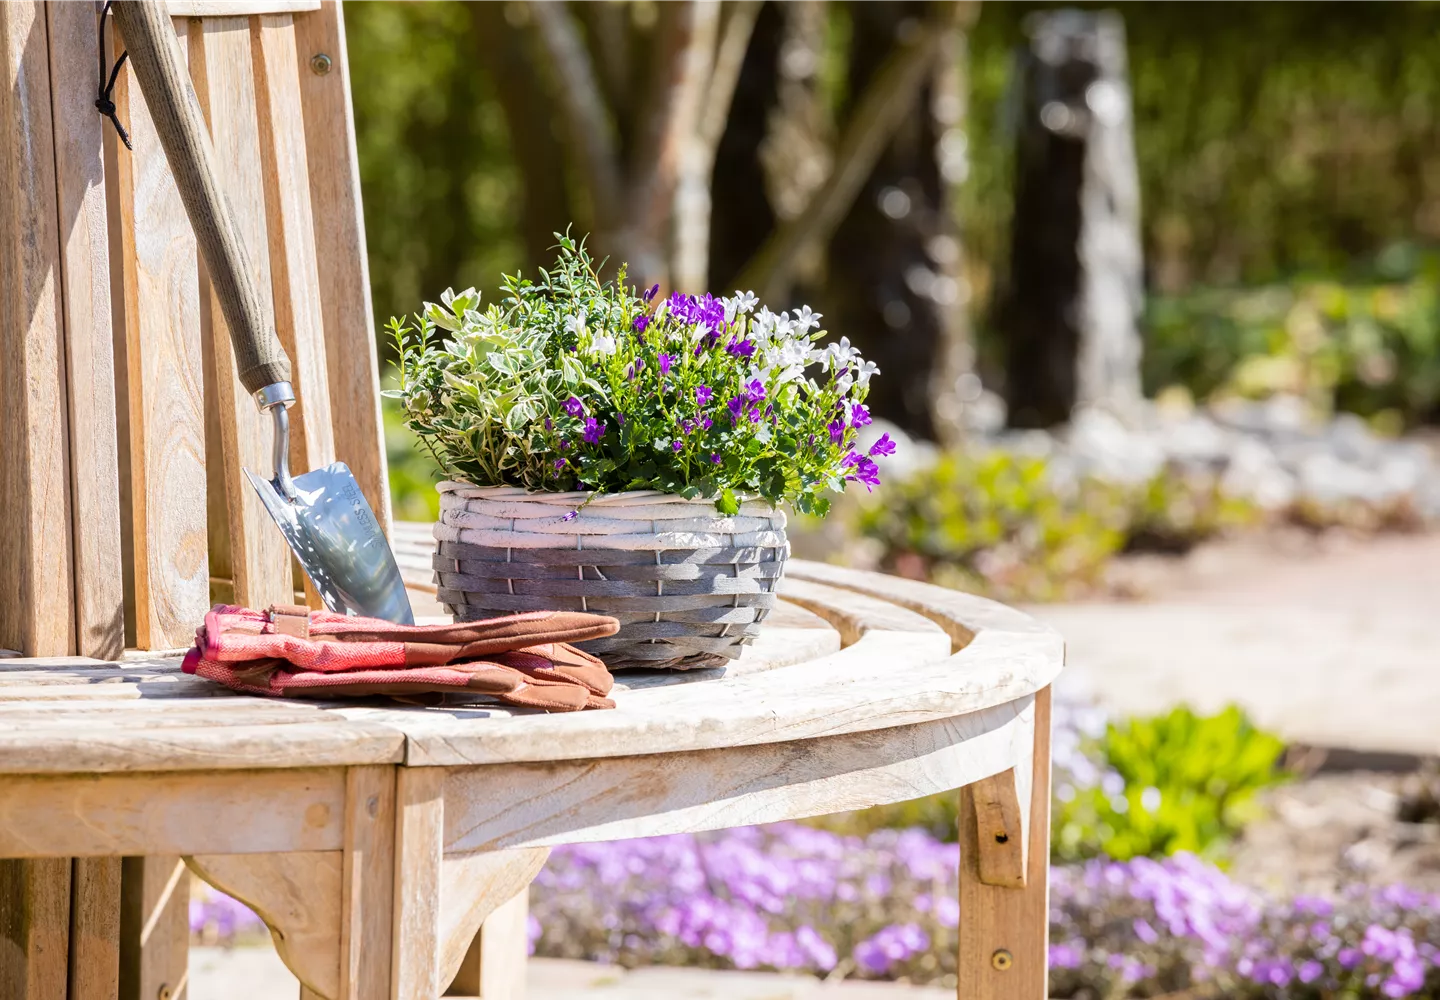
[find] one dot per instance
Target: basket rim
(573, 498)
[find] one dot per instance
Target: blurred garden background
(1154, 289)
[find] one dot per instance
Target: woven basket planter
(689, 586)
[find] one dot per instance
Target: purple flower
(863, 470)
(740, 348)
(665, 364)
(564, 445)
(883, 447)
(837, 430)
(859, 415)
(594, 430)
(574, 407)
(676, 445)
(641, 322)
(652, 292)
(572, 515)
(736, 405)
(714, 459)
(559, 464)
(703, 394)
(549, 426)
(755, 390)
(706, 423)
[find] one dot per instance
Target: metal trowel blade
(334, 533)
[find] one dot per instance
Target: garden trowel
(323, 514)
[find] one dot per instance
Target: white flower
(844, 382)
(837, 356)
(744, 301)
(805, 320)
(575, 324)
(866, 369)
(764, 323)
(697, 331)
(601, 344)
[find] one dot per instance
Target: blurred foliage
(1007, 526)
(1370, 347)
(413, 471)
(1189, 785)
(440, 186)
(1271, 137)
(1168, 783)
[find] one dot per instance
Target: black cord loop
(103, 103)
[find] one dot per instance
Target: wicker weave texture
(689, 586)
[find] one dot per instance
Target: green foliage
(572, 382)
(1189, 785)
(1000, 523)
(1369, 347)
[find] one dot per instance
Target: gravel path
(1337, 646)
(256, 973)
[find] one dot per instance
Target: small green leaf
(727, 504)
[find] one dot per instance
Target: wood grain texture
(494, 965)
(1001, 829)
(528, 805)
(245, 545)
(154, 928)
(236, 8)
(164, 383)
(298, 895)
(95, 929)
(419, 834)
(89, 351)
(299, 321)
(36, 607)
(1014, 919)
(368, 883)
(472, 888)
(222, 812)
(344, 274)
(34, 928)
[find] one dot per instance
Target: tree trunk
(508, 55)
(1071, 304)
(886, 290)
(738, 232)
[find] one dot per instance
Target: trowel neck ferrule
(278, 397)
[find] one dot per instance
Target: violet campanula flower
(706, 423)
(736, 405)
(837, 430)
(574, 407)
(665, 362)
(640, 323)
(755, 390)
(882, 447)
(676, 445)
(559, 464)
(863, 470)
(740, 348)
(859, 415)
(655, 288)
(570, 516)
(594, 430)
(703, 394)
(714, 458)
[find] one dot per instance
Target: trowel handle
(165, 84)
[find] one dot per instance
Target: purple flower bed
(795, 898)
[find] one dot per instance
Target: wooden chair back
(123, 427)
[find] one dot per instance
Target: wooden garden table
(374, 839)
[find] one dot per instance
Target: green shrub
(1370, 347)
(1189, 784)
(999, 523)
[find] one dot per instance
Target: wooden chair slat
(89, 350)
(344, 274)
(167, 523)
(36, 608)
(245, 548)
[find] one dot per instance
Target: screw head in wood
(1002, 960)
(165, 992)
(320, 63)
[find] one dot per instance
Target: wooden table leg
(419, 846)
(1005, 891)
(154, 928)
(95, 929)
(494, 966)
(34, 928)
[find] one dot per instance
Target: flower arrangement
(571, 382)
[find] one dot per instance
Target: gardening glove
(294, 652)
